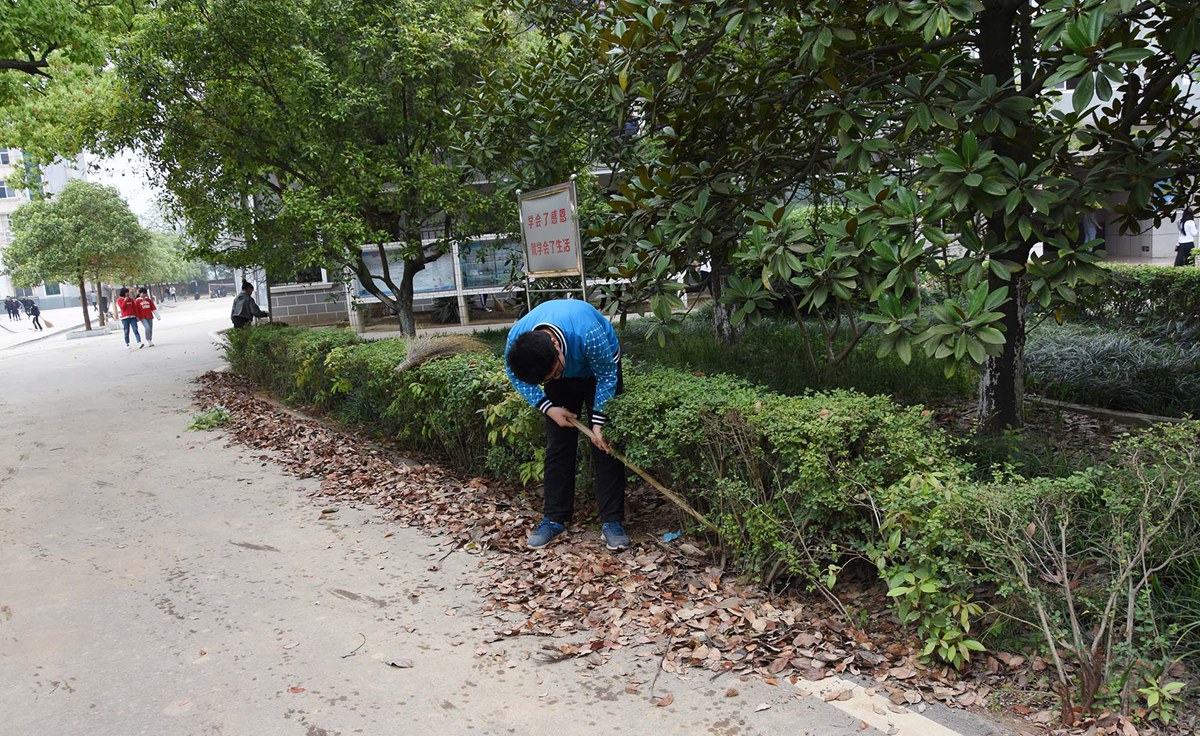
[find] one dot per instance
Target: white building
(1150, 243)
(10, 200)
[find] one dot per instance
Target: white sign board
(550, 232)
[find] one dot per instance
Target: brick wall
(309, 305)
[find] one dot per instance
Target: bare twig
(355, 650)
(663, 658)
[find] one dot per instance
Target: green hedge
(287, 361)
(1136, 294)
(788, 479)
(445, 409)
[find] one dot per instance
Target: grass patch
(1114, 368)
(215, 416)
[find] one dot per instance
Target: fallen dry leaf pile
(652, 595)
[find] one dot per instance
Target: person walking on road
(10, 306)
(559, 356)
(35, 313)
(147, 312)
(127, 309)
(245, 308)
(1187, 238)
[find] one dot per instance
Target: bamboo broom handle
(671, 495)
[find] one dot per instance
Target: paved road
(155, 581)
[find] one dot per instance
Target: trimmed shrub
(287, 361)
(459, 409)
(363, 383)
(1137, 295)
(789, 480)
(801, 485)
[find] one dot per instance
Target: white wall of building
(9, 202)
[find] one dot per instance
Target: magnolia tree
(84, 233)
(929, 140)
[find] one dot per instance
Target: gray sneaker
(614, 535)
(544, 534)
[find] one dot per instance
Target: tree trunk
(83, 302)
(723, 329)
(1002, 385)
(99, 299)
(404, 299)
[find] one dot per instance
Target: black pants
(36, 324)
(1183, 254)
(561, 443)
(239, 322)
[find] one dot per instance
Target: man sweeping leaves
(559, 356)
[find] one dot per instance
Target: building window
(54, 289)
(303, 276)
(6, 192)
(4, 157)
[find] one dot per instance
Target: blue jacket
(590, 346)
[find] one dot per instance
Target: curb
(1121, 417)
(59, 331)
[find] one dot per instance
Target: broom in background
(423, 349)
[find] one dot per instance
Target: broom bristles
(423, 349)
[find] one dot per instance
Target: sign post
(550, 236)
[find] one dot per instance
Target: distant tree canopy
(294, 133)
(84, 233)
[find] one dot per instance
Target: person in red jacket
(147, 312)
(127, 309)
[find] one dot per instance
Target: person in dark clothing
(1187, 239)
(245, 308)
(560, 356)
(35, 314)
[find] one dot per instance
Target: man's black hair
(123, 292)
(247, 285)
(532, 356)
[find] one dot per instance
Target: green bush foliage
(1100, 561)
(458, 409)
(802, 486)
(1139, 294)
(771, 353)
(287, 361)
